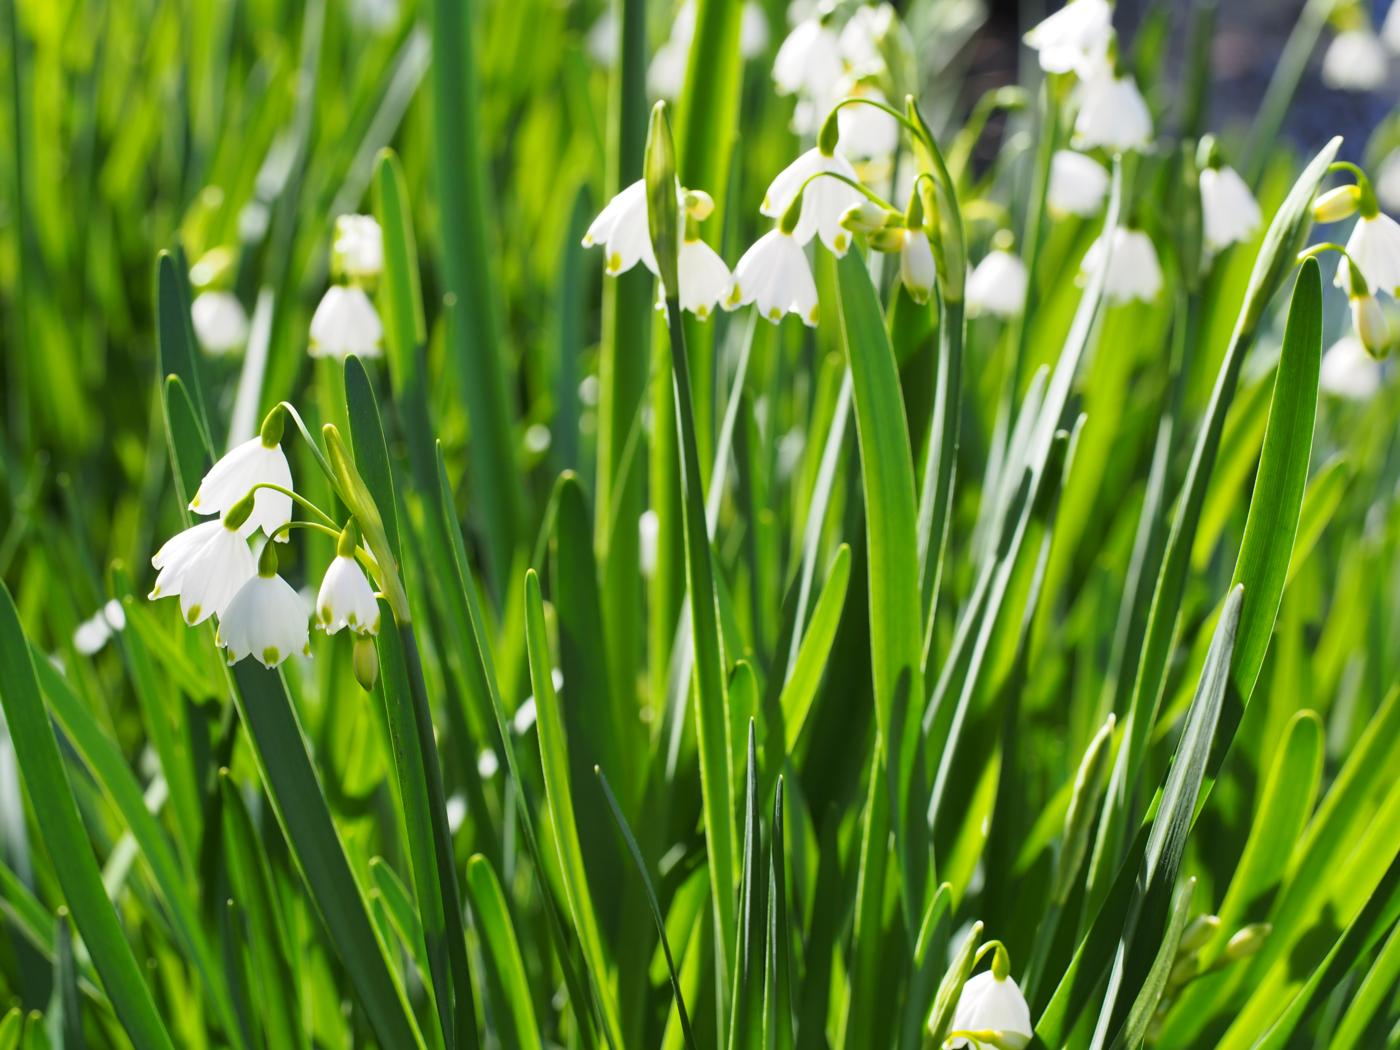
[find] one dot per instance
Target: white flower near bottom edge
(1349, 370)
(1355, 60)
(204, 566)
(1133, 270)
(824, 200)
(1229, 211)
(1112, 113)
(917, 270)
(345, 323)
(808, 60)
(997, 285)
(266, 619)
(1374, 245)
(774, 274)
(233, 477)
(220, 322)
(992, 1006)
(865, 131)
(346, 599)
(1075, 38)
(703, 276)
(1077, 184)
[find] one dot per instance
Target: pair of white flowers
(822, 66)
(212, 569)
(1371, 261)
(1079, 39)
(345, 322)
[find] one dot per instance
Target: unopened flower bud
(1246, 941)
(863, 217)
(887, 239)
(1198, 934)
(699, 205)
(1372, 328)
(365, 658)
(1337, 204)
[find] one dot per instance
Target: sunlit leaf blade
(498, 934)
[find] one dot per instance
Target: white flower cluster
(1370, 260)
(212, 568)
(345, 321)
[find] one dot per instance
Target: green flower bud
(365, 658)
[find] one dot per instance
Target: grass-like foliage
(931, 589)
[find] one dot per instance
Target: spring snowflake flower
(266, 619)
(997, 286)
(1370, 323)
(809, 60)
(1077, 183)
(1112, 113)
(258, 461)
(1355, 61)
(993, 1008)
(346, 598)
(621, 228)
(1230, 212)
(600, 42)
(220, 322)
(824, 200)
(865, 132)
(917, 271)
(1349, 370)
(1133, 272)
(861, 35)
(92, 634)
(1075, 38)
(358, 247)
(204, 566)
(775, 275)
(703, 277)
(345, 323)
(1374, 245)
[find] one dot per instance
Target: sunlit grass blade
(626, 832)
(503, 951)
(62, 832)
(777, 986)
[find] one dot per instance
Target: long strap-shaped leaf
(61, 829)
(1276, 257)
(896, 619)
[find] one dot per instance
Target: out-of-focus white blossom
(1133, 270)
(1230, 212)
(1077, 184)
(1355, 60)
(997, 286)
(1075, 38)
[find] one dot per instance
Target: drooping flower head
(220, 322)
(774, 274)
(997, 285)
(205, 565)
(1074, 39)
(1355, 60)
(257, 461)
(809, 59)
(345, 323)
(1112, 112)
(1133, 270)
(991, 1006)
(1349, 370)
(1229, 212)
(357, 248)
(1077, 184)
(266, 618)
(824, 198)
(346, 598)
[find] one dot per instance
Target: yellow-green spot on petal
(841, 241)
(734, 295)
(775, 315)
(614, 263)
(270, 655)
(325, 614)
(812, 315)
(193, 615)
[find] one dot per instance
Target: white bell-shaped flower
(997, 286)
(1390, 29)
(1370, 323)
(1133, 270)
(1387, 182)
(621, 228)
(92, 634)
(204, 566)
(1075, 38)
(866, 132)
(346, 598)
(917, 271)
(345, 323)
(266, 619)
(1374, 245)
(1349, 370)
(220, 322)
(1230, 214)
(704, 278)
(257, 461)
(775, 275)
(808, 60)
(861, 36)
(1355, 60)
(359, 246)
(994, 1008)
(1112, 113)
(600, 42)
(824, 200)
(1077, 184)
